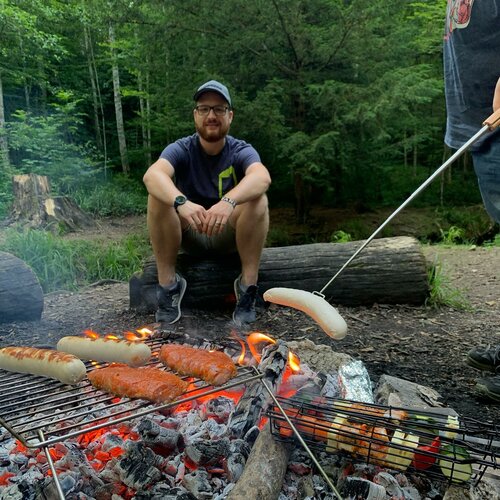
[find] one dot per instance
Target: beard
(212, 135)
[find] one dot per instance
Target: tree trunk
(21, 296)
(388, 271)
(93, 85)
(118, 103)
(4, 146)
(34, 205)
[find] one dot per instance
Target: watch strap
(229, 200)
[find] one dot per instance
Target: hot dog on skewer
(315, 306)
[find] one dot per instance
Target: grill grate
(444, 447)
(33, 406)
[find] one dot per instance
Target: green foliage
(441, 292)
(117, 197)
(44, 145)
(70, 264)
(340, 237)
(453, 235)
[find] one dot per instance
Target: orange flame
(256, 338)
(91, 334)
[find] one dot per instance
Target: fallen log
(21, 296)
(388, 271)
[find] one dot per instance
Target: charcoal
(164, 492)
(239, 446)
(218, 408)
(256, 398)
(137, 468)
(234, 466)
(197, 483)
(251, 435)
(153, 434)
(207, 452)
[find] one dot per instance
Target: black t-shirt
(203, 178)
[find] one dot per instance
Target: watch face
(179, 200)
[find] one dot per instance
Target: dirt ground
(419, 344)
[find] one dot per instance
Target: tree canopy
(342, 98)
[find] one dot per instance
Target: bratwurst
(106, 349)
(215, 367)
(152, 384)
(46, 362)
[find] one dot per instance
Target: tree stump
(21, 296)
(34, 206)
(388, 271)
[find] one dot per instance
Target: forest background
(343, 99)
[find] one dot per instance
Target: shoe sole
(480, 366)
(485, 392)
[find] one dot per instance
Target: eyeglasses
(204, 110)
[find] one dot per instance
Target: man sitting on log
(207, 196)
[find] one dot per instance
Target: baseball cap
(213, 86)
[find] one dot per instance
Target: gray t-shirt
(471, 66)
(203, 178)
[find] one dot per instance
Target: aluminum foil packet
(355, 383)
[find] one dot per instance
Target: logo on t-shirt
(458, 15)
(224, 184)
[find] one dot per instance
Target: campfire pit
(127, 447)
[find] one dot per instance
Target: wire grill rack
(40, 412)
(443, 446)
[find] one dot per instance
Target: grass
(442, 293)
(71, 264)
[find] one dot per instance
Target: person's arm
(255, 183)
(496, 97)
(158, 180)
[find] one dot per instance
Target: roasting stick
(314, 303)
(302, 442)
(60, 492)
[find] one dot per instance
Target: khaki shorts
(199, 244)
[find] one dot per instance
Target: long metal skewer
(489, 124)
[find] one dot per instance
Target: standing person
(207, 195)
(472, 70)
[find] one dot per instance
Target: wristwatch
(179, 200)
(229, 200)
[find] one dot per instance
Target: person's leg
(487, 167)
(165, 233)
(251, 222)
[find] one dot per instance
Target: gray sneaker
(169, 301)
(245, 303)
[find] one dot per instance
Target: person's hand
(496, 97)
(217, 217)
(193, 215)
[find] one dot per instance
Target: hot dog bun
(46, 362)
(315, 306)
(106, 349)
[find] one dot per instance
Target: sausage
(315, 306)
(106, 349)
(147, 383)
(215, 367)
(46, 362)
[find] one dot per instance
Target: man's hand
(193, 215)
(217, 216)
